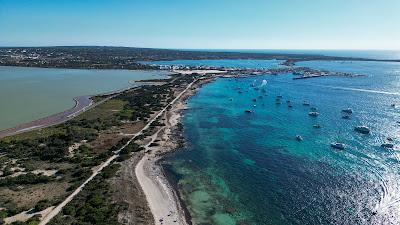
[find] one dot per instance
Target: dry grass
(105, 110)
(29, 196)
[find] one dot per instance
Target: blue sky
(221, 24)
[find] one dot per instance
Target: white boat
(348, 110)
(306, 103)
(317, 126)
(313, 113)
(338, 145)
(362, 129)
(299, 138)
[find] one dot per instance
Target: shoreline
(162, 197)
(82, 104)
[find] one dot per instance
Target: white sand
(161, 199)
(203, 72)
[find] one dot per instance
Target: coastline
(82, 104)
(162, 197)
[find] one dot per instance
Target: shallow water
(248, 168)
(27, 94)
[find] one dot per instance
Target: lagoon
(27, 94)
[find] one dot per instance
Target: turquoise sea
(27, 94)
(248, 168)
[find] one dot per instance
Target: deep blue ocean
(248, 168)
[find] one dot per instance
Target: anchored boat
(362, 129)
(299, 137)
(348, 110)
(338, 145)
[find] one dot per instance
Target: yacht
(313, 113)
(337, 145)
(348, 110)
(362, 129)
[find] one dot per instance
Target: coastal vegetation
(93, 205)
(41, 167)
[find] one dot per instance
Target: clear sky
(221, 24)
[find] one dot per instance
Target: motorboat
(338, 145)
(299, 137)
(362, 129)
(313, 114)
(348, 110)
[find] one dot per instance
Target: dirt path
(58, 208)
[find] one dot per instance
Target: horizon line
(174, 48)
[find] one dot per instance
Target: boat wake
(346, 88)
(389, 196)
(359, 90)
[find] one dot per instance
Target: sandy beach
(162, 199)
